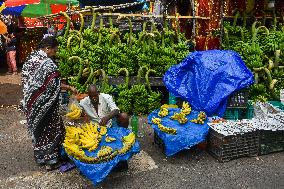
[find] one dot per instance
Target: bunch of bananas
(103, 130)
(128, 142)
(163, 112)
(156, 120)
(104, 151)
(169, 106)
(88, 137)
(180, 117)
(110, 139)
(75, 112)
(200, 119)
(186, 109)
(168, 130)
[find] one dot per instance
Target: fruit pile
(181, 117)
(75, 112)
(200, 118)
(88, 137)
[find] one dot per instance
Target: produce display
(178, 116)
(110, 49)
(104, 50)
(262, 49)
(79, 140)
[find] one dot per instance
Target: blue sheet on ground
(188, 134)
(97, 172)
(206, 78)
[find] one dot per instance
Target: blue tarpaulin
(206, 78)
(188, 134)
(97, 172)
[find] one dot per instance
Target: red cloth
(57, 8)
(14, 3)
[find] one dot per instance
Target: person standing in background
(11, 43)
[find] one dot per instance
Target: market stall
(207, 75)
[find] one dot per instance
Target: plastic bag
(206, 78)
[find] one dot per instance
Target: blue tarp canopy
(206, 78)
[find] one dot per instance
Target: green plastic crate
(250, 110)
(233, 114)
(277, 104)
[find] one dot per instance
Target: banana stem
(81, 66)
(268, 74)
(272, 84)
(147, 79)
(90, 77)
(140, 73)
(256, 78)
(68, 24)
(236, 18)
(114, 36)
(82, 22)
(126, 75)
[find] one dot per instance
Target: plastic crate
(249, 110)
(277, 104)
(226, 148)
(271, 141)
(233, 114)
(238, 99)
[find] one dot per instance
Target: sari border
(41, 89)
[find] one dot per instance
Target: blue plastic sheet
(97, 172)
(188, 134)
(206, 78)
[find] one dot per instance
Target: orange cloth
(3, 28)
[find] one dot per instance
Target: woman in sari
(41, 88)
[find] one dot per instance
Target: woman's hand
(73, 90)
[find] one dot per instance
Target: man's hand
(104, 121)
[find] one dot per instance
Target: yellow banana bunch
(156, 120)
(163, 112)
(75, 112)
(104, 151)
(167, 129)
(200, 118)
(110, 139)
(186, 109)
(103, 130)
(128, 142)
(180, 117)
(129, 138)
(169, 106)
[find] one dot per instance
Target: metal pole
(193, 20)
(222, 22)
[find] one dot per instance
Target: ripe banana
(167, 129)
(156, 120)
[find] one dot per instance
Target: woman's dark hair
(49, 41)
